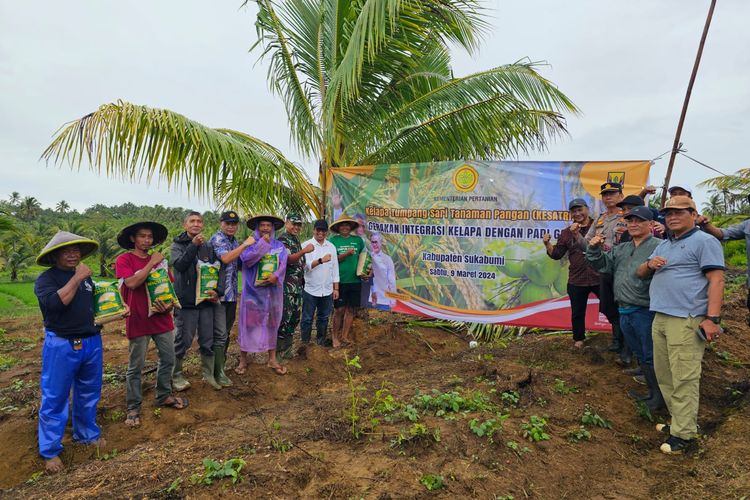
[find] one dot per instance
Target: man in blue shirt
(686, 292)
(72, 352)
(228, 249)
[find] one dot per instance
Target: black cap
(643, 213)
(609, 187)
(229, 216)
(577, 202)
(633, 200)
(321, 224)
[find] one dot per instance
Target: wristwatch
(320, 261)
(714, 319)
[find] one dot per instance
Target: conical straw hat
(64, 239)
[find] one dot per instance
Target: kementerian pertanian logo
(465, 178)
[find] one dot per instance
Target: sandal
(280, 370)
(175, 402)
(133, 419)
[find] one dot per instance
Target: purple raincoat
(261, 307)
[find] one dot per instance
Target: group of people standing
(659, 277)
(305, 282)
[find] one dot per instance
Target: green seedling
(214, 470)
(432, 482)
(511, 397)
(590, 417)
(561, 388)
(534, 429)
(577, 435)
(517, 449)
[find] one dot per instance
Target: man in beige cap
(686, 293)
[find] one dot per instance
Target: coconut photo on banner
(462, 240)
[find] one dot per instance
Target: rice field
(17, 299)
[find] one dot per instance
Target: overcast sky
(624, 63)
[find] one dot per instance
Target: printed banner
(462, 240)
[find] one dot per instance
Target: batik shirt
(224, 244)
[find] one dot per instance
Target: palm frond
(283, 77)
(487, 115)
(137, 142)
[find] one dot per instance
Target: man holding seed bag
(192, 255)
(134, 269)
(72, 352)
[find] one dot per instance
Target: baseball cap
(294, 217)
(609, 187)
(321, 224)
(683, 186)
(641, 212)
(577, 202)
(633, 200)
(229, 216)
(678, 202)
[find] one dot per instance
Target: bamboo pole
(676, 145)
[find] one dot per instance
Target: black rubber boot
(617, 340)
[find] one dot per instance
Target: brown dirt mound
(294, 436)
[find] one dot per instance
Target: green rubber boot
(220, 359)
(179, 382)
(207, 362)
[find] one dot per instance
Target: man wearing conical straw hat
(348, 247)
(72, 352)
(262, 303)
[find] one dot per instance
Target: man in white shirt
(321, 283)
(383, 274)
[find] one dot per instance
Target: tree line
(26, 226)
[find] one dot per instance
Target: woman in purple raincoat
(261, 306)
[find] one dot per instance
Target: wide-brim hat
(344, 218)
(65, 239)
(160, 234)
(253, 222)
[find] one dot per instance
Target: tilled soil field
(423, 415)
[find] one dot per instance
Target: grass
(17, 299)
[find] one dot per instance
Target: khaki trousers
(678, 352)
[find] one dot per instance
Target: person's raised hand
(198, 239)
(249, 241)
(326, 257)
(267, 237)
(597, 240)
(156, 258)
(658, 228)
(546, 238)
(349, 252)
(574, 228)
(309, 248)
(82, 271)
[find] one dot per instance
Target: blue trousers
(636, 328)
(311, 303)
(64, 368)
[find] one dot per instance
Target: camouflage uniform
(294, 283)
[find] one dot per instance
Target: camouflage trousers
(290, 318)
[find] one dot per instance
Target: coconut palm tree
(104, 234)
(14, 198)
(29, 208)
(363, 82)
(62, 207)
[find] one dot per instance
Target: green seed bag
(207, 279)
(108, 305)
(267, 265)
(364, 264)
(159, 287)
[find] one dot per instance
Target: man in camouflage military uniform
(294, 283)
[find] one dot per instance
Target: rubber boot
(617, 340)
(625, 357)
(655, 402)
(208, 362)
(220, 359)
(179, 382)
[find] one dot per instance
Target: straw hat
(65, 239)
(159, 232)
(252, 223)
(344, 218)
